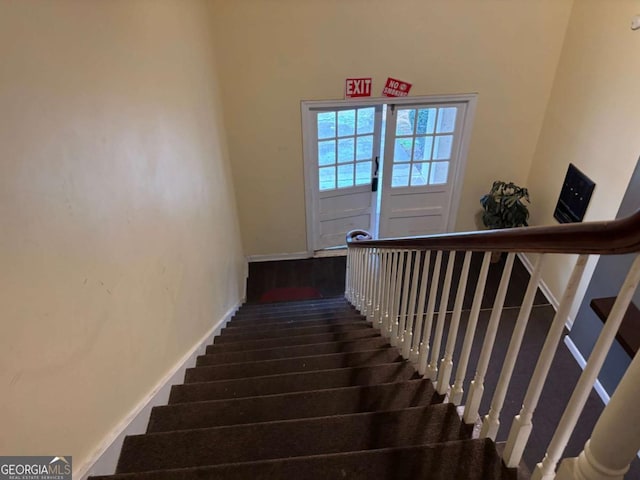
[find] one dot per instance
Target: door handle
(374, 180)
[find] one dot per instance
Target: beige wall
(118, 236)
(592, 119)
(275, 53)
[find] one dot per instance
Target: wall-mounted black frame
(574, 196)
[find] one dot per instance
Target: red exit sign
(357, 87)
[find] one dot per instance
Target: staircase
(305, 390)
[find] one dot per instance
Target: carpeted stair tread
(454, 460)
(288, 365)
(291, 438)
(232, 328)
(231, 337)
(297, 351)
(316, 403)
(293, 317)
(292, 382)
(294, 340)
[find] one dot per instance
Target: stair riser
(289, 341)
(295, 351)
(295, 382)
(290, 365)
(233, 329)
(292, 406)
(416, 426)
(290, 332)
(295, 304)
(294, 316)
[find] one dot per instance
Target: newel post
(615, 440)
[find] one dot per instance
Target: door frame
(308, 144)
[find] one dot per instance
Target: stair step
(229, 337)
(454, 460)
(316, 403)
(291, 382)
(290, 323)
(291, 438)
(295, 351)
(296, 303)
(292, 315)
(295, 340)
(289, 365)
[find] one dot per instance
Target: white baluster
(387, 292)
(446, 365)
(458, 387)
(425, 341)
(411, 312)
(347, 276)
(375, 291)
(546, 469)
(405, 298)
(361, 275)
(366, 300)
(355, 276)
(432, 368)
(420, 308)
(522, 425)
(476, 389)
(396, 297)
(615, 439)
(491, 422)
(383, 287)
(392, 289)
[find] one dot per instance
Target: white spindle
(404, 307)
(391, 317)
(420, 308)
(425, 341)
(368, 277)
(446, 365)
(546, 469)
(347, 276)
(615, 438)
(355, 276)
(361, 276)
(387, 291)
(411, 310)
(522, 424)
(396, 297)
(377, 275)
(432, 368)
(491, 422)
(458, 387)
(476, 389)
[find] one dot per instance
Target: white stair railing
(399, 283)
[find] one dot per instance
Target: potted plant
(503, 207)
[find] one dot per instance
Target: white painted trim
(544, 288)
(331, 252)
(272, 257)
(580, 360)
(104, 459)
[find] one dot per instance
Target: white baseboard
(544, 288)
(105, 458)
(580, 360)
(278, 256)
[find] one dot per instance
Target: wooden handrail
(603, 238)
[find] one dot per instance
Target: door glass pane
(327, 152)
(402, 150)
(405, 121)
(345, 150)
(327, 177)
(364, 147)
(363, 173)
(426, 121)
(400, 175)
(346, 122)
(419, 174)
(345, 175)
(439, 173)
(366, 117)
(447, 120)
(442, 147)
(326, 124)
(422, 148)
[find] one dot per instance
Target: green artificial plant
(503, 206)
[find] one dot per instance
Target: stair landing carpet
(305, 390)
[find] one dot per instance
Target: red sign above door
(357, 87)
(396, 88)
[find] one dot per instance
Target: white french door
(417, 146)
(422, 153)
